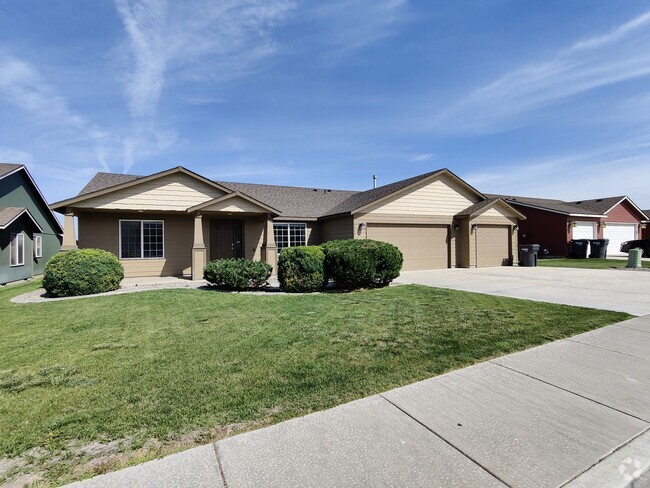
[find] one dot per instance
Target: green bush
(300, 269)
(361, 263)
(237, 273)
(82, 272)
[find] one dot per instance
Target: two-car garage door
(423, 246)
(427, 246)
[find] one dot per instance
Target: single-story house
(554, 223)
(174, 221)
(30, 234)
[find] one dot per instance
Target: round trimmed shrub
(300, 269)
(237, 273)
(82, 272)
(361, 263)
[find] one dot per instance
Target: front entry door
(226, 237)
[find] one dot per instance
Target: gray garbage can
(598, 248)
(578, 248)
(528, 255)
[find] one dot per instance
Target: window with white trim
(290, 235)
(17, 249)
(38, 246)
(142, 239)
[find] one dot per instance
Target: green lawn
(162, 370)
(587, 263)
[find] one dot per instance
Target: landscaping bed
(88, 386)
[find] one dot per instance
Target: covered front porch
(232, 226)
(155, 243)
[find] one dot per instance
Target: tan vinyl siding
(254, 238)
(235, 204)
(438, 197)
(101, 230)
(338, 228)
(175, 192)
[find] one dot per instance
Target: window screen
(17, 249)
(141, 239)
(290, 235)
(38, 246)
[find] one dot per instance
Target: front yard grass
(586, 263)
(94, 384)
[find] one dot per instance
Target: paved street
(574, 413)
(619, 290)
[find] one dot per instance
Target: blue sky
(538, 98)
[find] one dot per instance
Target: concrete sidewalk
(608, 289)
(575, 413)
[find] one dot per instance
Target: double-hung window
(290, 235)
(142, 239)
(38, 246)
(17, 249)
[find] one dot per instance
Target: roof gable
(129, 181)
(11, 214)
(488, 205)
(6, 170)
(363, 201)
(234, 202)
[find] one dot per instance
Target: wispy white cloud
(22, 86)
(606, 171)
(16, 156)
(620, 55)
(196, 40)
(349, 25)
(418, 158)
(145, 22)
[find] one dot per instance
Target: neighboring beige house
(175, 221)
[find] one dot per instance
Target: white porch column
(69, 236)
(269, 249)
(199, 252)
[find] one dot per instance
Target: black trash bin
(528, 254)
(578, 248)
(598, 248)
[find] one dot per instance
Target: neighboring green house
(30, 234)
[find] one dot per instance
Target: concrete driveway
(619, 290)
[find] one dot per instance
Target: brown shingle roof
(102, 181)
(549, 204)
(292, 201)
(599, 205)
(8, 168)
(9, 214)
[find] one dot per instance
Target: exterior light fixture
(573, 223)
(515, 228)
(456, 227)
(362, 226)
(474, 227)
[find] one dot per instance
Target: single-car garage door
(617, 235)
(423, 246)
(492, 245)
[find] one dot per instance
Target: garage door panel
(617, 235)
(493, 245)
(423, 246)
